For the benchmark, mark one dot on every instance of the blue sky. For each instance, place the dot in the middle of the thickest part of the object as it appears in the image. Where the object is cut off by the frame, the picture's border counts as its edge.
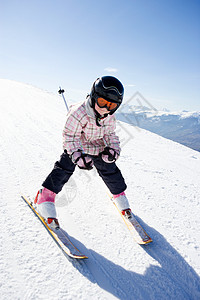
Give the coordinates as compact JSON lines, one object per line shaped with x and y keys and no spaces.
{"x":152,"y":46}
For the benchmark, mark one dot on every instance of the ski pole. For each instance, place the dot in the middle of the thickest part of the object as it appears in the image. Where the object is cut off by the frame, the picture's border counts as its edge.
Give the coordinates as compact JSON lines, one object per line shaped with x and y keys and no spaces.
{"x":61,"y":92}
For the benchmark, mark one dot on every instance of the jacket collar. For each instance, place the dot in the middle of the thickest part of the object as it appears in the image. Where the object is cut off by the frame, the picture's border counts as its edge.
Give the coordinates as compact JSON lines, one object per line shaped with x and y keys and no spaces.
{"x":89,"y":110}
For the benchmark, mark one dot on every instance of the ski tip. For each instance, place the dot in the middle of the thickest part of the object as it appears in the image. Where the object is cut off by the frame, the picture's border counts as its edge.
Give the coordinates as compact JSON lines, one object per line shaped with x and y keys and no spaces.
{"x":146,"y":242}
{"x":79,"y":256}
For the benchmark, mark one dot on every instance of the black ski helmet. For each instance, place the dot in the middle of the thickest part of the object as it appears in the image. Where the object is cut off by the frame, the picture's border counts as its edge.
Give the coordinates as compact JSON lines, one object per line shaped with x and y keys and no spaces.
{"x":109,"y":88}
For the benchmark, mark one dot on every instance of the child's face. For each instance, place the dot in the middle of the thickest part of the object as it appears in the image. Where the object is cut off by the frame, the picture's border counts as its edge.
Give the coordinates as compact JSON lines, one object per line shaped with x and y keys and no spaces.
{"x":101,"y":111}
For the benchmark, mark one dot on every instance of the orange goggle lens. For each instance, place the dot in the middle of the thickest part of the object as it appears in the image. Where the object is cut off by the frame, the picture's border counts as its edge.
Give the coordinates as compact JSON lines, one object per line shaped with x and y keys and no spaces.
{"x":104,"y":103}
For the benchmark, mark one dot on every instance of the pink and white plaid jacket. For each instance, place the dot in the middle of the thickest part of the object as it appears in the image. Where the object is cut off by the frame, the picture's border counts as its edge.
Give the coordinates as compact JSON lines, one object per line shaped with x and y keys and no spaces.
{"x":81,"y":131}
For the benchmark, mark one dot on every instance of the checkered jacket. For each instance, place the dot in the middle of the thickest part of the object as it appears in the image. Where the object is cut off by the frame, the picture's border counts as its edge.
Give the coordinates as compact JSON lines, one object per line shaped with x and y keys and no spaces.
{"x":81,"y":131}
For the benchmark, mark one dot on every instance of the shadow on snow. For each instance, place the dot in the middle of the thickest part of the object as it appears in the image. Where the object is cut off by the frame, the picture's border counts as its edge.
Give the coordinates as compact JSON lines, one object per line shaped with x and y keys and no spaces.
{"x":173,"y":279}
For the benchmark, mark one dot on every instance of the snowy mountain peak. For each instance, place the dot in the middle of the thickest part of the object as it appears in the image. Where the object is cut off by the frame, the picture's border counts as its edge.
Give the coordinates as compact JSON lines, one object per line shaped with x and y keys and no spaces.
{"x":182,"y":127}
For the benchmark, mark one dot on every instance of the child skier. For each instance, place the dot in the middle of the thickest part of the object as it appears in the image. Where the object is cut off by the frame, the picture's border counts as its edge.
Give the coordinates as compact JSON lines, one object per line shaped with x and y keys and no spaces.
{"x":89,"y":140}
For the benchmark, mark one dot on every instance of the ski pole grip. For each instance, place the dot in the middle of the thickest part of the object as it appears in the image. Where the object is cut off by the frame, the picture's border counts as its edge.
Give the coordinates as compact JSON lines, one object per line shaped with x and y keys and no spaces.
{"x":61,"y":91}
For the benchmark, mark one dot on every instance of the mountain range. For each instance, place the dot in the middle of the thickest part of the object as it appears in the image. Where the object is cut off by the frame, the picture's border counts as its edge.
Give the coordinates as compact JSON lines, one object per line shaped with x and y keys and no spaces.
{"x":182,"y":127}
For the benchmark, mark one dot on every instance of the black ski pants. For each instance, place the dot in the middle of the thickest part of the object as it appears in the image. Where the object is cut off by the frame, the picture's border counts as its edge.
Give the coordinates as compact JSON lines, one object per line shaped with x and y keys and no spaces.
{"x":64,"y":168}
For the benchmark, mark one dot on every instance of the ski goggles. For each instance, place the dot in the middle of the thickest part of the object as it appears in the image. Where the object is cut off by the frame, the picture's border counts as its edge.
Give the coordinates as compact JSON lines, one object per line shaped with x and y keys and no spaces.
{"x":101,"y":102}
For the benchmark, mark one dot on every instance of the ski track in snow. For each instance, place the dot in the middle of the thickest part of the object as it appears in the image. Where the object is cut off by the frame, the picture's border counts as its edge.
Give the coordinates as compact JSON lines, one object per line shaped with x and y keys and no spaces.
{"x":163,"y":188}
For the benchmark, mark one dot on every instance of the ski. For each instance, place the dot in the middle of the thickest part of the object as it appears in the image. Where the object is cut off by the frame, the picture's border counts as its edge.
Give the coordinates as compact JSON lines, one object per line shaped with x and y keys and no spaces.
{"x":58,"y":235}
{"x":138,"y":233}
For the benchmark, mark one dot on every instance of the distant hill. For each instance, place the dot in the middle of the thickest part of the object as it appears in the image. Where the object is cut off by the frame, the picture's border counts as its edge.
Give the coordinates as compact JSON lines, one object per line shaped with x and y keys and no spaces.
{"x":182,"y":127}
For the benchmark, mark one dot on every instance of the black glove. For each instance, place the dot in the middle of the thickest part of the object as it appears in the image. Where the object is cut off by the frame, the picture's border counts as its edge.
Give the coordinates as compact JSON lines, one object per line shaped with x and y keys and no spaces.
{"x":82,"y":160}
{"x":109,"y":155}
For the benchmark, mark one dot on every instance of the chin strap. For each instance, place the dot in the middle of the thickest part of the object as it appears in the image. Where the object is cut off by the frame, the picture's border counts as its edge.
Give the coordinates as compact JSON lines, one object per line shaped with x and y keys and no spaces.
{"x":99,"y":117}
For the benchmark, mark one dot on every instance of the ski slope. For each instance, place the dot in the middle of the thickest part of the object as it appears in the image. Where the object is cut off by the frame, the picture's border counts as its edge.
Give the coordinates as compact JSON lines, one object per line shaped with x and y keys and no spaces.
{"x":163,"y":189}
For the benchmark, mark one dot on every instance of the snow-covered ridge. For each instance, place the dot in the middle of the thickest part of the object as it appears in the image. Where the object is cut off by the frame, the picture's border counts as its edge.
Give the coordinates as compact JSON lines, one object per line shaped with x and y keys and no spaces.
{"x":150,"y":112}
{"x":163,"y":190}
{"x":182,"y":127}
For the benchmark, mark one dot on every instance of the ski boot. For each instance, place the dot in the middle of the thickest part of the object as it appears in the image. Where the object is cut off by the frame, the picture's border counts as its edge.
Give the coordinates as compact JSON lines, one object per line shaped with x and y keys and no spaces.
{"x":122,"y":204}
{"x":45,"y":203}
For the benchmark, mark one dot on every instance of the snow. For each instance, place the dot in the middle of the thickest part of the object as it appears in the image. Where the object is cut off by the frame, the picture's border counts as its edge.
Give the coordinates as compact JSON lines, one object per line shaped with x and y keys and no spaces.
{"x":151,"y":111}
{"x":182,"y":127}
{"x":163,"y":189}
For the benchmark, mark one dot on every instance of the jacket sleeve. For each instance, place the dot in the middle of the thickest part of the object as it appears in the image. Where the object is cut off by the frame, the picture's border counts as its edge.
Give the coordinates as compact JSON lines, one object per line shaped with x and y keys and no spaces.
{"x":110,"y":137}
{"x":72,"y":133}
